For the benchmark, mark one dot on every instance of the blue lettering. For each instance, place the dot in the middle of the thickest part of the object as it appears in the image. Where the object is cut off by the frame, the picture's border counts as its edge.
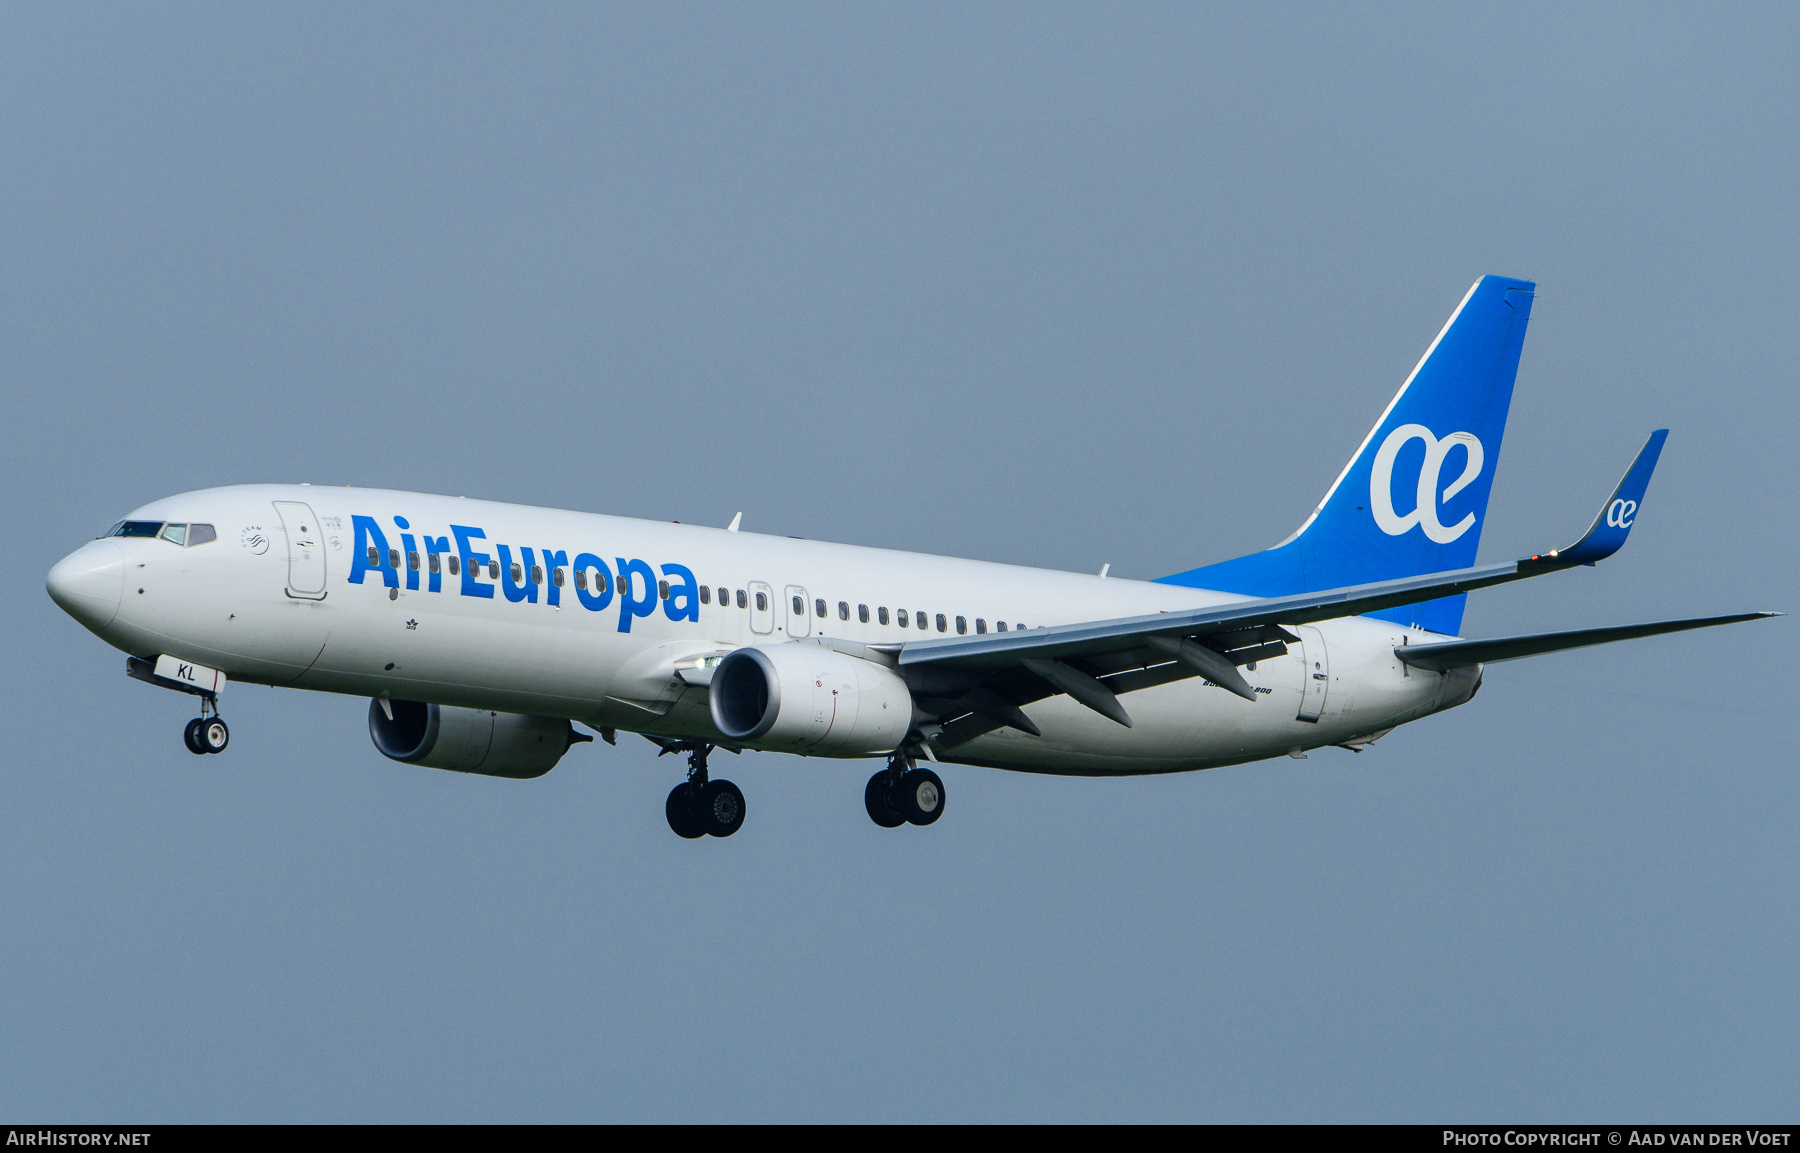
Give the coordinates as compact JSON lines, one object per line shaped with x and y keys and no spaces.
{"x":630,"y":606}
{"x":514,"y":591}
{"x":684,"y":596}
{"x":552,"y":562}
{"x":471,"y":560}
{"x":434,"y":546}
{"x":368,"y":536}
{"x":602,"y":594}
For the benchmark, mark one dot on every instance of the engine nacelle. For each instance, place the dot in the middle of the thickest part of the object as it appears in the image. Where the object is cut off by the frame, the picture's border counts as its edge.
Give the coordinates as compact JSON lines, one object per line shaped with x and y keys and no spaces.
{"x":805,"y":698}
{"x":470,"y":740}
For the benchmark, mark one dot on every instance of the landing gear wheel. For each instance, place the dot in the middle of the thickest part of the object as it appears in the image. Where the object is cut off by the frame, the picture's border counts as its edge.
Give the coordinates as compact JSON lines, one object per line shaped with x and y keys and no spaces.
{"x":921,"y":796}
{"x":721,"y":808}
{"x":212,"y":735}
{"x":192,"y":735}
{"x":876,"y":798}
{"x":683,"y":813}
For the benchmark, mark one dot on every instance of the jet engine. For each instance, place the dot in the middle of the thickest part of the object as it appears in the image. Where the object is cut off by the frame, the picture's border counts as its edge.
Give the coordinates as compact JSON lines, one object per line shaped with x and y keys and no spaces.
{"x":805,"y":698}
{"x":470,"y":740}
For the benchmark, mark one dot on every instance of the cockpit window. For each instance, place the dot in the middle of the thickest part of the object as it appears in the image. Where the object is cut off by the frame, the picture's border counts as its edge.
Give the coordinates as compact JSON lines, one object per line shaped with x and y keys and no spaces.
{"x":188,"y":535}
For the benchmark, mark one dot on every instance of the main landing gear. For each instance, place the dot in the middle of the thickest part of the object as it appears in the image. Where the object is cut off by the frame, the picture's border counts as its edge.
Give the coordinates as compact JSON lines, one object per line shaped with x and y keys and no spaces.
{"x":207,"y":734}
{"x":700,"y":807}
{"x":904,"y":794}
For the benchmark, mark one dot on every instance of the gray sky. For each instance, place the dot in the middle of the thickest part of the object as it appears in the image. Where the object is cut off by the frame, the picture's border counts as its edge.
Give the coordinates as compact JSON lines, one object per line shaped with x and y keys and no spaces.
{"x":1050,"y":286}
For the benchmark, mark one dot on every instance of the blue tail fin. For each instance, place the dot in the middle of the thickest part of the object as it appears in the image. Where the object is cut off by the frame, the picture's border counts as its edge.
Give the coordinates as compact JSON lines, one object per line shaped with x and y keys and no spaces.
{"x":1413,"y":498}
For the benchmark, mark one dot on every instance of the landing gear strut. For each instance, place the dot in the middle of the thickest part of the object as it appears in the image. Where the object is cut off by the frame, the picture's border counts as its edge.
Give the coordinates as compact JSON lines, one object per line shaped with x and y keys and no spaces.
{"x":903,"y":794}
{"x":699,"y":806}
{"x":207,"y":734}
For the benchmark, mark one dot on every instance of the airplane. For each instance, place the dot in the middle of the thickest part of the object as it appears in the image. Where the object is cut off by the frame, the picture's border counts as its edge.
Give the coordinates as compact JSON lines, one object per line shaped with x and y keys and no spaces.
{"x":482,"y":632}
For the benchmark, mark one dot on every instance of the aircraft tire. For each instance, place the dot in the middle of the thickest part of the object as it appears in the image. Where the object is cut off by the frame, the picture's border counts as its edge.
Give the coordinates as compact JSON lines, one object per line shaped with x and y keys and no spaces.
{"x":881,"y":808}
{"x":683,"y":813}
{"x":721,"y":808}
{"x":191,"y":736}
{"x":921,"y":796}
{"x":213,"y":736}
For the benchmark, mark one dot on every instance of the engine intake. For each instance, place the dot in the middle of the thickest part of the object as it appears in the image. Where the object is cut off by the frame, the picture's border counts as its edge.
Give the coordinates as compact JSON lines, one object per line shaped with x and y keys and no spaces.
{"x":470,"y":740}
{"x":804,"y":698}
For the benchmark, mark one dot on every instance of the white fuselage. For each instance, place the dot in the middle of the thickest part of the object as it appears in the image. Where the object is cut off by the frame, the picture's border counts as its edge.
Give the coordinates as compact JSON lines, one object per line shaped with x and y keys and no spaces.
{"x":297,"y":605}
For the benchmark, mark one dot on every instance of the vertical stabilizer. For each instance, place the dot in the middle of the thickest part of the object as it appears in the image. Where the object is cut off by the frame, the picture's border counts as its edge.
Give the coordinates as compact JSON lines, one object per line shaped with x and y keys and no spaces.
{"x":1413,"y":498}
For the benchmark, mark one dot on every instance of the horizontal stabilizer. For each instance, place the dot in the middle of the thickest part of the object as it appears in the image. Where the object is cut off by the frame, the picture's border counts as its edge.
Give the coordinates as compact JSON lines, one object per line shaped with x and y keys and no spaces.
{"x":1455,"y":654}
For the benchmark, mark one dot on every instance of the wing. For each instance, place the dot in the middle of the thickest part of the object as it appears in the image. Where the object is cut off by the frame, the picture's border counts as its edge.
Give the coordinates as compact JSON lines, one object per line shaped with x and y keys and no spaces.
{"x":976,"y":684}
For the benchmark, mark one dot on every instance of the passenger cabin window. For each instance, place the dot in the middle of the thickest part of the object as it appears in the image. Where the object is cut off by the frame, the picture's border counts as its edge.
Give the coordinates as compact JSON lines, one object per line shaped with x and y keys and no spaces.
{"x":394,"y":558}
{"x":705,"y":594}
{"x":1000,"y":626}
{"x":762,"y":602}
{"x":518,"y":573}
{"x":799,"y":607}
{"x":494,"y":570}
{"x":942,"y":627}
{"x":455,"y":566}
{"x":175,"y":533}
{"x":201,"y":534}
{"x":556,"y":577}
{"x":843,"y":610}
{"x":862,"y":613}
{"x":581,"y":579}
{"x":374,"y":556}
{"x":819,"y":608}
{"x":900,"y":617}
{"x":138,"y":528}
{"x":412,"y":561}
{"x":881,"y":614}
{"x":980,"y":625}
{"x":740,"y":598}
{"x":962,"y":624}
{"x":662,"y":590}
{"x":433,"y":564}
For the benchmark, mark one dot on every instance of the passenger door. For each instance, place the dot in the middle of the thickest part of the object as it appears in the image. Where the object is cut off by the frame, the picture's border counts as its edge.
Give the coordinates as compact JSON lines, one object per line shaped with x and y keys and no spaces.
{"x":306,"y":550}
{"x":799,"y":616}
{"x":762,"y":607}
{"x":1315,"y":673}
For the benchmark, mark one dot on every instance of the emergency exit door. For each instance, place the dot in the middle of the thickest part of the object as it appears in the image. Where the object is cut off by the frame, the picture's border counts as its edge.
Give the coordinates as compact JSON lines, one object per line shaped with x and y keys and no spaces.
{"x":799,"y":617}
{"x":762,"y":608}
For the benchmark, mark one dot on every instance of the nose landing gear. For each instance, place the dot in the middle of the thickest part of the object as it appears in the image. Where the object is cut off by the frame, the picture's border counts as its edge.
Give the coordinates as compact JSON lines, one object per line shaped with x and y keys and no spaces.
{"x":700,"y":807}
{"x":904,"y":794}
{"x":206,"y":733}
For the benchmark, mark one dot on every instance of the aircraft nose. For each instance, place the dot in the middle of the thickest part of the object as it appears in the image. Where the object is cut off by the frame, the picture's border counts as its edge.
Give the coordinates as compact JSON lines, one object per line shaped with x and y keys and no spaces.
{"x":88,"y":583}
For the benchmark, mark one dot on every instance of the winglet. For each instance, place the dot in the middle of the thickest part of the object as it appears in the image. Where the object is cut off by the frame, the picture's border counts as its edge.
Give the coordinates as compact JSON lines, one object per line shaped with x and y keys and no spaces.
{"x":1609,"y":530}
